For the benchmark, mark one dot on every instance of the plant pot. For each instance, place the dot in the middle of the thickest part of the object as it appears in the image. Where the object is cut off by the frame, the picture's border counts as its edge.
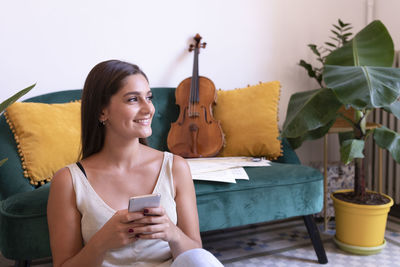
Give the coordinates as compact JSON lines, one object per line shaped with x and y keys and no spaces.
{"x":360,"y":229}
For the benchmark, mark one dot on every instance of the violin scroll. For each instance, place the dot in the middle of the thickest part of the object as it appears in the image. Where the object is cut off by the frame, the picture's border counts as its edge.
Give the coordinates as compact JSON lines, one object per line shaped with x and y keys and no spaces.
{"x":197,"y":38}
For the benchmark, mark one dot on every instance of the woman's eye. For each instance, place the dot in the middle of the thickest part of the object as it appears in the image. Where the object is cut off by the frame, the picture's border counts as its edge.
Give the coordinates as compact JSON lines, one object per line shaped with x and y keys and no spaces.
{"x":133,"y":99}
{"x":150,"y":98}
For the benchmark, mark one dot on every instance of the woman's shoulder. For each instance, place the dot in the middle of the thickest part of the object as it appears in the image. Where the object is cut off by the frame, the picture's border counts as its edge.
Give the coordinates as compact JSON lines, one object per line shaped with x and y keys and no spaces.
{"x":62,"y":180}
{"x":62,"y":174}
{"x":179,"y":161}
{"x":180,"y":168}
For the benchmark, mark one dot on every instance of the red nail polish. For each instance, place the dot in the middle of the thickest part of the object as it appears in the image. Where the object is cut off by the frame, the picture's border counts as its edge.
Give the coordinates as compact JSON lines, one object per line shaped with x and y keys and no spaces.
{"x":130,"y":230}
{"x":145,"y":211}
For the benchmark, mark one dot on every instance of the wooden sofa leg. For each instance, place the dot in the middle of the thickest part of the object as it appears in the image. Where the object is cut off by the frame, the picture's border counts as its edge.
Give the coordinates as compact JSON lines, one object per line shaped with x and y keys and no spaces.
{"x":22,"y":263}
{"x":315,"y":239}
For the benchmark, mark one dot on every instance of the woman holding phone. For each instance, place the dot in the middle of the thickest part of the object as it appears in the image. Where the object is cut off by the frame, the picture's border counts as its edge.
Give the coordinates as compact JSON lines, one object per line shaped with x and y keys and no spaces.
{"x":89,"y":223}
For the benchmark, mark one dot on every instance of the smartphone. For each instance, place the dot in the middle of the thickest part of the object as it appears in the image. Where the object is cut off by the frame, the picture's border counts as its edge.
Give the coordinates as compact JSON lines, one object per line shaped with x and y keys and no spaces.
{"x":146,"y":201}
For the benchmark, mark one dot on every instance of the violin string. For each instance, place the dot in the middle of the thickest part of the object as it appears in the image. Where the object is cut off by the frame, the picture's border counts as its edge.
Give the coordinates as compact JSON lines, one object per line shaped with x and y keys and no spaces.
{"x":191,"y":101}
{"x":196,"y":80}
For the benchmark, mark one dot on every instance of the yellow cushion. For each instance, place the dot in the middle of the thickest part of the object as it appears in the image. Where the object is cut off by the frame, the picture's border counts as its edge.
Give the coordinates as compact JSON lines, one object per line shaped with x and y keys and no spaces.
{"x":47,"y":135}
{"x":249,"y":120}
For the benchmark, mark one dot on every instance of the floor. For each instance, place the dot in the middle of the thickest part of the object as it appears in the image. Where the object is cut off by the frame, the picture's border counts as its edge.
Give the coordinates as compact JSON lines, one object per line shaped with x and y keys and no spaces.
{"x":288,"y":244}
{"x":283,"y":244}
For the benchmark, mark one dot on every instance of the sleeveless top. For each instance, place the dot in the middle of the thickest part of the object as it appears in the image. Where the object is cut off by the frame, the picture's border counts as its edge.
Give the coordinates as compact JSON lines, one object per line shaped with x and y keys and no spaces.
{"x":95,"y":213}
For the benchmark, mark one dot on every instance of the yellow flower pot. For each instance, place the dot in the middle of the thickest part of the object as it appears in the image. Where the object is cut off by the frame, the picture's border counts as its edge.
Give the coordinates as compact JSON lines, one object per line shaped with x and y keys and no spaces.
{"x":360,"y":228}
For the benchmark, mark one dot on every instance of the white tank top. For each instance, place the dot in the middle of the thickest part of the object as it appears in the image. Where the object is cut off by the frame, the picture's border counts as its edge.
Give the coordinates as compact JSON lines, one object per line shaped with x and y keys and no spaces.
{"x":95,"y":213}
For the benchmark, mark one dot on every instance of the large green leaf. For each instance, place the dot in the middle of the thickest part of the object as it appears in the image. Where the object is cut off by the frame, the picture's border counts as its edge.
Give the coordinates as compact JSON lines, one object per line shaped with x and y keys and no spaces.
{"x":308,"y":111}
{"x":394,"y":108}
{"x":14,"y":98}
{"x":351,"y":149}
{"x":363,"y":87}
{"x":311,"y":135}
{"x":372,"y":46}
{"x":388,"y":139}
{"x":343,"y":136}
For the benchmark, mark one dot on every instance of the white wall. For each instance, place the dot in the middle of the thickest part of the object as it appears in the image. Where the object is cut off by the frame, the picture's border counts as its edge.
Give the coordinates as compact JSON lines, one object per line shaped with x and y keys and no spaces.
{"x":55,"y":43}
{"x":388,"y":11}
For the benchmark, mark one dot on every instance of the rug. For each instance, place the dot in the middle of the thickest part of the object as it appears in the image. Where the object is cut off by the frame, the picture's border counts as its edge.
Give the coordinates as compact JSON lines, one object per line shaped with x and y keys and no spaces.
{"x":288,"y":244}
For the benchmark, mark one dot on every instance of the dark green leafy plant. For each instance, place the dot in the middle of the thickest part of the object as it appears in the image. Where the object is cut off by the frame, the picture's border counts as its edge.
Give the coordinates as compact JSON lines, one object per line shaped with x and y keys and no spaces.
{"x":9,"y":101}
{"x":341,"y":34}
{"x":357,"y":75}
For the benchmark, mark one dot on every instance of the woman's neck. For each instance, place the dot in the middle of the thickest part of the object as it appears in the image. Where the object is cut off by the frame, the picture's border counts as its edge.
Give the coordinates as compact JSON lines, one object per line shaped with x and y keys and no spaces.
{"x":122,"y":154}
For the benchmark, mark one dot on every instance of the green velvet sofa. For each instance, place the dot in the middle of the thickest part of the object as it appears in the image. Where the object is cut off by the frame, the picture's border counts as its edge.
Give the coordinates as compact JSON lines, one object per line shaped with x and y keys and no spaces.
{"x":285,"y":189}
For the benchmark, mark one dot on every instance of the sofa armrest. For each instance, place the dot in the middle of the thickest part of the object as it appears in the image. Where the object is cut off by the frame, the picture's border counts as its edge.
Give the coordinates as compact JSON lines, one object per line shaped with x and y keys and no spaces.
{"x":24,"y":231}
{"x":26,"y":204}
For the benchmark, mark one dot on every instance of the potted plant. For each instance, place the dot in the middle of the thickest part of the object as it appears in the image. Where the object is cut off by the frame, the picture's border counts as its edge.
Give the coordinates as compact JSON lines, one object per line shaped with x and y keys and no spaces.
{"x":358,"y":75}
{"x":9,"y":101}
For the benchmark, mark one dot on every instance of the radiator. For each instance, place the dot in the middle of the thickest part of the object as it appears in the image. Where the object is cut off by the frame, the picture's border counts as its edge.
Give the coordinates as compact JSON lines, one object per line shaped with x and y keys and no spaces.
{"x":390,"y":183}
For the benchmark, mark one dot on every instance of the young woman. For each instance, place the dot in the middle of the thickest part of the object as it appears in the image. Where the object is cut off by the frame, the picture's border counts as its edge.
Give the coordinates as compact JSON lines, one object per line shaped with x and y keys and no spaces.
{"x":89,"y":223}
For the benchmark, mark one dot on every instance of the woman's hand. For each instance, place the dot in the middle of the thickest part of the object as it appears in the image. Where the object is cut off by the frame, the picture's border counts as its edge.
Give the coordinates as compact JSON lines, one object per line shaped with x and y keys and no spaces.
{"x":119,"y":230}
{"x":156,"y":224}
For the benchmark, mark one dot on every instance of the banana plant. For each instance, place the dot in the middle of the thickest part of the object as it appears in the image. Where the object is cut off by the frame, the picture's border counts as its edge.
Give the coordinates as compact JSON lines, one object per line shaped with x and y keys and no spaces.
{"x":9,"y":101}
{"x":358,"y":75}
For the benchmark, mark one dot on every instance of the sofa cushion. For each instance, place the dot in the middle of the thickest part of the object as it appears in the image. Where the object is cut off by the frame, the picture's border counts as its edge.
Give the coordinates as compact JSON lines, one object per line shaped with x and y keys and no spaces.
{"x":249,"y":120}
{"x":48,"y":137}
{"x":276,"y":192}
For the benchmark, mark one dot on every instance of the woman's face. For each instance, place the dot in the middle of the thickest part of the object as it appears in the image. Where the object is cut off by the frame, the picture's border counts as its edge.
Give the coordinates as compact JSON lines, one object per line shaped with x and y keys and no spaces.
{"x":130,"y":110}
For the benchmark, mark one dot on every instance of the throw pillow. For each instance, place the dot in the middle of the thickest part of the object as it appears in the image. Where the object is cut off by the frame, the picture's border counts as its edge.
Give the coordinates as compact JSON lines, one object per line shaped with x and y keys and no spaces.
{"x":47,"y":137}
{"x":249,"y":120}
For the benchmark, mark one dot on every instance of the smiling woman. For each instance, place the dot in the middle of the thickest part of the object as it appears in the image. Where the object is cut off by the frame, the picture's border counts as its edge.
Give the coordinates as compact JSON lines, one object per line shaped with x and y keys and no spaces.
{"x":97,"y":96}
{"x":89,"y":223}
{"x":130,"y":110}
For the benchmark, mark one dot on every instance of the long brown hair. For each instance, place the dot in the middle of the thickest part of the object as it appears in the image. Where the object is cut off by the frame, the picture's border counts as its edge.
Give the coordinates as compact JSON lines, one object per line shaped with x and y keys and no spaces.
{"x":102,"y":82}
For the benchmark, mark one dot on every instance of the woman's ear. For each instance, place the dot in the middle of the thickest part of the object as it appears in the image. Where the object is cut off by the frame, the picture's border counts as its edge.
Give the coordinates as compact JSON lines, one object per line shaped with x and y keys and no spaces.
{"x":103,"y":116}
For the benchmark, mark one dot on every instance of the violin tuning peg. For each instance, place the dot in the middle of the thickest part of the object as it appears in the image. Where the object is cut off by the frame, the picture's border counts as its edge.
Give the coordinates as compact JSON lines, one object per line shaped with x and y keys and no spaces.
{"x":191,"y":47}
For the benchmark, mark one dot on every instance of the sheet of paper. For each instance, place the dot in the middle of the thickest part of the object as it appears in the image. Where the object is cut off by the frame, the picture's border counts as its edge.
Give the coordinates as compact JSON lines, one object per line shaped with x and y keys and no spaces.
{"x":223,"y":169}
{"x":239,"y":173}
{"x":225,"y":176}
{"x":200,"y":165}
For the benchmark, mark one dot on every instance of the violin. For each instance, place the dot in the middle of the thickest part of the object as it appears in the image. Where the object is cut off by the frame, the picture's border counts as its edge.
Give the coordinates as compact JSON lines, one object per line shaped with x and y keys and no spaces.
{"x":195,"y":133}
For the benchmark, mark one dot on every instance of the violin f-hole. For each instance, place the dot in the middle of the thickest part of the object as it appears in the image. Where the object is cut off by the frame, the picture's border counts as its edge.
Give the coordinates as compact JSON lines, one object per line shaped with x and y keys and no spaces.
{"x":205,"y":115}
{"x":183,"y":117}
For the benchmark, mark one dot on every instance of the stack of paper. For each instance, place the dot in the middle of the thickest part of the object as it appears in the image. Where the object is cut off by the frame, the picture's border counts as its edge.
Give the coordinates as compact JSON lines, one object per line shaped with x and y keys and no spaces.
{"x":223,"y":169}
